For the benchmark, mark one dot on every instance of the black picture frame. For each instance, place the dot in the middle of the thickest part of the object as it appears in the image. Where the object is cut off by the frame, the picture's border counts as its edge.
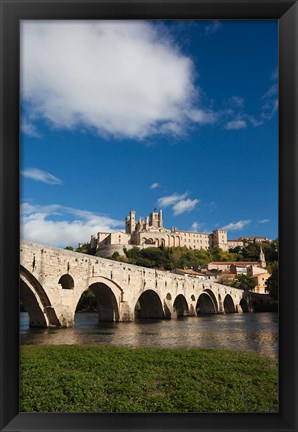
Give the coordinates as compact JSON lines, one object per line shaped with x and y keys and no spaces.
{"x":12,"y":11}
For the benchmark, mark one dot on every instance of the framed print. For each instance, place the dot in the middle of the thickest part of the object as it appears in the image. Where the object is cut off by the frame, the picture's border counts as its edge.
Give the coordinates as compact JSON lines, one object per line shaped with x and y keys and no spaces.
{"x":185,"y":317}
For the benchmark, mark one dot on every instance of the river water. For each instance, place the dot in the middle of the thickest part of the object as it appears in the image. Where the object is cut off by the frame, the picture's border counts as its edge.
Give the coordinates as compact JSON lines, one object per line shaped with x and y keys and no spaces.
{"x":251,"y":331}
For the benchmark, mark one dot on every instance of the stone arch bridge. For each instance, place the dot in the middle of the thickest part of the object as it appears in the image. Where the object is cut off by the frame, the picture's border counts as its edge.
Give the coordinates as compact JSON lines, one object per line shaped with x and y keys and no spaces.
{"x":52,"y":281}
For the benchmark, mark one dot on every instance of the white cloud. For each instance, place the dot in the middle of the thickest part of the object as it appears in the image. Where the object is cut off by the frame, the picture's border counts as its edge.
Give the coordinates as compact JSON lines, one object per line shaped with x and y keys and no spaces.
{"x":125,"y":79}
{"x":213,"y":27}
{"x":235,"y":117}
{"x":184,"y":206}
{"x":234,"y":226}
{"x":254,"y":122}
{"x":202,"y":117}
{"x":274,"y":75}
{"x":155,"y":186}
{"x":236,"y":101}
{"x":171,"y":199}
{"x":39,"y":175}
{"x":270,"y":100}
{"x":236,"y":124}
{"x":272,"y":91}
{"x":211,"y":206}
{"x":269,"y":109}
{"x":264,"y":221}
{"x":60,"y":226}
{"x":178,"y":203}
{"x":196,"y":225}
{"x":30,"y":129}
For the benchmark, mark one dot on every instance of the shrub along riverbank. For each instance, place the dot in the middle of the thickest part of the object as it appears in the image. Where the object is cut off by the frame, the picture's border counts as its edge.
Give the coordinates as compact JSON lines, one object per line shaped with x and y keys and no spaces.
{"x":71,"y":378}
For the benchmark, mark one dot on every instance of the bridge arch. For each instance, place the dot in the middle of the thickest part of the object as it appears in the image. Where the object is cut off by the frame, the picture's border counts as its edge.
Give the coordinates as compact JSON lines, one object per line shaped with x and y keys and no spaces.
{"x":229,"y":306}
{"x":66,"y":281}
{"x":180,"y":306}
{"x":33,"y":296}
{"x":149,"y":305}
{"x":244,"y":305}
{"x":213,"y":297}
{"x":206,"y":303}
{"x":108,"y":296}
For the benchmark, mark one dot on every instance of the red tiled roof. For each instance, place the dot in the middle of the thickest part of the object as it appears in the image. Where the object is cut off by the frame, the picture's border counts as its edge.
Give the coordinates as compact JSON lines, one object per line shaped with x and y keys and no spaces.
{"x":189,"y":271}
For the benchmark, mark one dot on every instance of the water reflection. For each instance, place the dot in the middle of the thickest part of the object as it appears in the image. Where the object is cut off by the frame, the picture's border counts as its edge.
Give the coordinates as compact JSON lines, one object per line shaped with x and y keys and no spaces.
{"x":253,"y":331}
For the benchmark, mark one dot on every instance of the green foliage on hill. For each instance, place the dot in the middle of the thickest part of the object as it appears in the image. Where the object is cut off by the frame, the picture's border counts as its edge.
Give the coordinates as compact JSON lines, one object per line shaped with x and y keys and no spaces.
{"x":272,"y":283}
{"x":168,"y":258}
{"x":164,"y":258}
{"x":251,"y":252}
{"x":84,"y":248}
{"x":244,"y":282}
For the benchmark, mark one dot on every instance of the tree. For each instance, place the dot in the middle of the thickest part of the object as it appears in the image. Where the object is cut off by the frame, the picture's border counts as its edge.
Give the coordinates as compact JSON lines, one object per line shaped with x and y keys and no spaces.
{"x":272,"y":283}
{"x":220,"y":255}
{"x":225,"y":280}
{"x":132,"y":254}
{"x":115,"y":256}
{"x":85,"y":249}
{"x":271,"y":252}
{"x":69,"y":248}
{"x":87,"y":302}
{"x":154,"y":257}
{"x":244,"y":282}
{"x":251,"y":252}
{"x":237,"y":251}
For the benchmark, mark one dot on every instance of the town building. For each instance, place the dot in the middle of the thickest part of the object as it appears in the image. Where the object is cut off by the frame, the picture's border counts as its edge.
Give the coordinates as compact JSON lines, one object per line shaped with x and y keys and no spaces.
{"x":260,"y":280}
{"x":250,"y":240}
{"x":253,"y":269}
{"x":236,"y":267}
{"x":203,"y":275}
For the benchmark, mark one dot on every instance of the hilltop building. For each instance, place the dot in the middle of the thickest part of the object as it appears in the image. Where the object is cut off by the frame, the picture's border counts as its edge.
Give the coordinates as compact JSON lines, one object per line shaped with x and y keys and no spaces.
{"x":245,"y":241}
{"x":150,"y":232}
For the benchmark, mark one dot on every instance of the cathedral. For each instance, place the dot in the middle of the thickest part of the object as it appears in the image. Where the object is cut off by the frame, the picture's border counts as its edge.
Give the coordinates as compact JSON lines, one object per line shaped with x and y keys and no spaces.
{"x":150,"y":232}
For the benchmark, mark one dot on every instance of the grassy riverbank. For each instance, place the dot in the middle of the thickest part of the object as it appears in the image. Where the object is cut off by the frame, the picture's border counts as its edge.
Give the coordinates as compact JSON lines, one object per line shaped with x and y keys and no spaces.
{"x":71,"y":378}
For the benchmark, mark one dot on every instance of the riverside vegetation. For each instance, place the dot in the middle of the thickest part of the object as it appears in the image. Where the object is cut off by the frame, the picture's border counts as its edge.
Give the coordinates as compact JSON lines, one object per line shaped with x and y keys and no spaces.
{"x":72,"y":378}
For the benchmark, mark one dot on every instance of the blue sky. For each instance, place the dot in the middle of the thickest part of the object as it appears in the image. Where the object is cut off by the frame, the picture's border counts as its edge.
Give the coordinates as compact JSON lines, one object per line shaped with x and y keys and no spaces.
{"x":178,"y":115}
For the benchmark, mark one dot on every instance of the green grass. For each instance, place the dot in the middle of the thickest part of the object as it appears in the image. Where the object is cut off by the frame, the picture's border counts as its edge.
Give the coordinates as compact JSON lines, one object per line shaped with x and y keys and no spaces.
{"x":71,"y":378}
